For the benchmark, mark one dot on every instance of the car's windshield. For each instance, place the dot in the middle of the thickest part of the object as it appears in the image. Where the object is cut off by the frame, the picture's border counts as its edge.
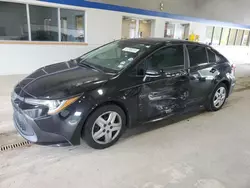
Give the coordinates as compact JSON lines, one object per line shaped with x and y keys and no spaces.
{"x":115,"y":56}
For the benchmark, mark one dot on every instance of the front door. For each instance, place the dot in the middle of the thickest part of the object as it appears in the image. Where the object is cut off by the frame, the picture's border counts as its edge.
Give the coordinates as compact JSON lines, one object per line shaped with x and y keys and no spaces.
{"x":165,"y":85}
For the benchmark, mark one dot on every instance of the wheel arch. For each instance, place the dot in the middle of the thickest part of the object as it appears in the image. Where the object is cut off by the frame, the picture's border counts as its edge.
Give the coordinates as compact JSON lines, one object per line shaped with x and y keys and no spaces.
{"x":227,"y":83}
{"x":224,"y":81}
{"x":111,"y":102}
{"x":76,"y":137}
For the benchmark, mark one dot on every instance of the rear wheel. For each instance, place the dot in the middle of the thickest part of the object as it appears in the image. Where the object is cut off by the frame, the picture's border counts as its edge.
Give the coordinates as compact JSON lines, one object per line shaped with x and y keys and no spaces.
{"x":218,"y":98}
{"x":104,"y":127}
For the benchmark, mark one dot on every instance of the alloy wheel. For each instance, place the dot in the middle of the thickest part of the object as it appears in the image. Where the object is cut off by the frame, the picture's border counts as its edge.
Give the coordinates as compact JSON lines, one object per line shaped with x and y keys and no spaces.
{"x":107,"y":127}
{"x":219,"y":97}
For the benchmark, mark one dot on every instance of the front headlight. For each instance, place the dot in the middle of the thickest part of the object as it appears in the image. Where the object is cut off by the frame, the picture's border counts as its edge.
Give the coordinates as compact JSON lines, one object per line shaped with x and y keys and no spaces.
{"x":54,"y":106}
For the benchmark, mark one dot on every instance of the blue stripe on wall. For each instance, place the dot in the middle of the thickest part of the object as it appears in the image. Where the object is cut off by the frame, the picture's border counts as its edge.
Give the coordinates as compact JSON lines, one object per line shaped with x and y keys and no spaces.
{"x":96,"y":5}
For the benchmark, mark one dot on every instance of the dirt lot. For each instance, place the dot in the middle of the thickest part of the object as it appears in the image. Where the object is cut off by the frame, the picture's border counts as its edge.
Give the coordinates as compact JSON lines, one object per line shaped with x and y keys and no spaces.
{"x":204,"y":150}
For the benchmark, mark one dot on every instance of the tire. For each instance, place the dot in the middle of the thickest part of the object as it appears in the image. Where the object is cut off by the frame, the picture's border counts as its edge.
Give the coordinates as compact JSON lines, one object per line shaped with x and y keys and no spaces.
{"x":104,"y":126}
{"x":211,"y":104}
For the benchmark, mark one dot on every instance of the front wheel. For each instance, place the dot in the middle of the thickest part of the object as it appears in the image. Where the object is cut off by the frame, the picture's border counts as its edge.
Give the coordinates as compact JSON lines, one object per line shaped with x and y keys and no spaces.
{"x":218,"y":98}
{"x":104,"y":126}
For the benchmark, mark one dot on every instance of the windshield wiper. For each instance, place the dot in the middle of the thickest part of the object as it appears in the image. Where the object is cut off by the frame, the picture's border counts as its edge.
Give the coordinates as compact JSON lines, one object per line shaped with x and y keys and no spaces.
{"x":89,"y":66}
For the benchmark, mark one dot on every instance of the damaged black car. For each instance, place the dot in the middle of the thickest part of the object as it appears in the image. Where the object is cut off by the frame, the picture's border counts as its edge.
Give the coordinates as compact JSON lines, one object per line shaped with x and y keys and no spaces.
{"x":117,"y":86}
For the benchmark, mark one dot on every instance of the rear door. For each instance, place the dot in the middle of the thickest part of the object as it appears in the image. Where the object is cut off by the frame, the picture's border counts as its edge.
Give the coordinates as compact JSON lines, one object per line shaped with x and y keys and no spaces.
{"x":202,"y":72}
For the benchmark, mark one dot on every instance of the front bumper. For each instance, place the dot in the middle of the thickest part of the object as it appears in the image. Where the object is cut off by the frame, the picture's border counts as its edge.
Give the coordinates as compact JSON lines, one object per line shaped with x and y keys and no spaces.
{"x":30,"y":131}
{"x":63,"y":128}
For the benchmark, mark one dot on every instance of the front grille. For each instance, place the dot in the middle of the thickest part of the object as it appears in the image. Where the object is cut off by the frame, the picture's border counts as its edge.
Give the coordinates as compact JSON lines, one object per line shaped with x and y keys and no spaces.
{"x":22,"y":124}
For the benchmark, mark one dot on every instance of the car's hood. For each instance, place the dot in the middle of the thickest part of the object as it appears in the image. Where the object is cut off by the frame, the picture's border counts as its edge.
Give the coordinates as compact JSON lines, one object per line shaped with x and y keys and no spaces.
{"x":61,"y":80}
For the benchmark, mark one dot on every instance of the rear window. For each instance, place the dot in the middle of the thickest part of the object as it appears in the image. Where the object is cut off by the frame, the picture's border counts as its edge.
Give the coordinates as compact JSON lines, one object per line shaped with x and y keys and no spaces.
{"x":197,"y":55}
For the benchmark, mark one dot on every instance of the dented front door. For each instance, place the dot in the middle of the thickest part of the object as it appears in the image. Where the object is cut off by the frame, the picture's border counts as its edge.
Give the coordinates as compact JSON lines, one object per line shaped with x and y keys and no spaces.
{"x":164,"y":95}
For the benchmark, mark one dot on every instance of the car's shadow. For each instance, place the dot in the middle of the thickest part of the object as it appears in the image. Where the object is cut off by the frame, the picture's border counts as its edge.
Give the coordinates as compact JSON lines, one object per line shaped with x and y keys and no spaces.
{"x":84,"y":149}
{"x":140,"y":129}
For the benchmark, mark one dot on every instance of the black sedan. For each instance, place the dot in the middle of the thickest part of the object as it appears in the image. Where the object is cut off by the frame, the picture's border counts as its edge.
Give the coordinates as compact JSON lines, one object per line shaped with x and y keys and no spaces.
{"x":116,"y":86}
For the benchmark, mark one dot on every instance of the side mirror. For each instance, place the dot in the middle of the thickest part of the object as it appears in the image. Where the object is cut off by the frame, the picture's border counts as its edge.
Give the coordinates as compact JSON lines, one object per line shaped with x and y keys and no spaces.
{"x":153,"y":73}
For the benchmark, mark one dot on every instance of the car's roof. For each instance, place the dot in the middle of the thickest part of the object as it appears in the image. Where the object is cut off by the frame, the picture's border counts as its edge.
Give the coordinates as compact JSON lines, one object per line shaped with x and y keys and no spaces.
{"x":162,"y":40}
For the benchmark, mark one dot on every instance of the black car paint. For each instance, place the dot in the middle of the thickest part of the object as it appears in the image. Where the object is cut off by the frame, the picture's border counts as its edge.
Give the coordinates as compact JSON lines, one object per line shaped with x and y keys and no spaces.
{"x":62,"y":80}
{"x":143,"y":98}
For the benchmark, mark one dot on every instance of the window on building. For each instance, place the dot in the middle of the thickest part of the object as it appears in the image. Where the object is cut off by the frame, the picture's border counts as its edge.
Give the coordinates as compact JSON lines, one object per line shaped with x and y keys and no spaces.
{"x":232,"y":37}
{"x":211,"y":56}
{"x":245,"y":40}
{"x":239,"y":37}
{"x":197,"y":55}
{"x":224,"y":36}
{"x":169,"y":30}
{"x":217,"y":35}
{"x":13,"y":21}
{"x":72,"y":25}
{"x":169,"y":57}
{"x":209,"y":34}
{"x":145,"y":28}
{"x":44,"y":23}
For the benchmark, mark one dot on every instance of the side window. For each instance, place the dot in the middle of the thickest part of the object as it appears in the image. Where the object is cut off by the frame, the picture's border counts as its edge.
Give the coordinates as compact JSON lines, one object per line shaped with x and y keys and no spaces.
{"x":197,"y":55}
{"x":211,"y":56}
{"x":139,"y":70}
{"x":167,"y":58}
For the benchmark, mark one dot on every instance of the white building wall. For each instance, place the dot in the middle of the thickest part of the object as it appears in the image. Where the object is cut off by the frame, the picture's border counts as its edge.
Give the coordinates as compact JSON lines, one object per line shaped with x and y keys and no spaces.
{"x":235,"y":54}
{"x":102,"y":26}
{"x":25,"y":58}
{"x":158,"y":27}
